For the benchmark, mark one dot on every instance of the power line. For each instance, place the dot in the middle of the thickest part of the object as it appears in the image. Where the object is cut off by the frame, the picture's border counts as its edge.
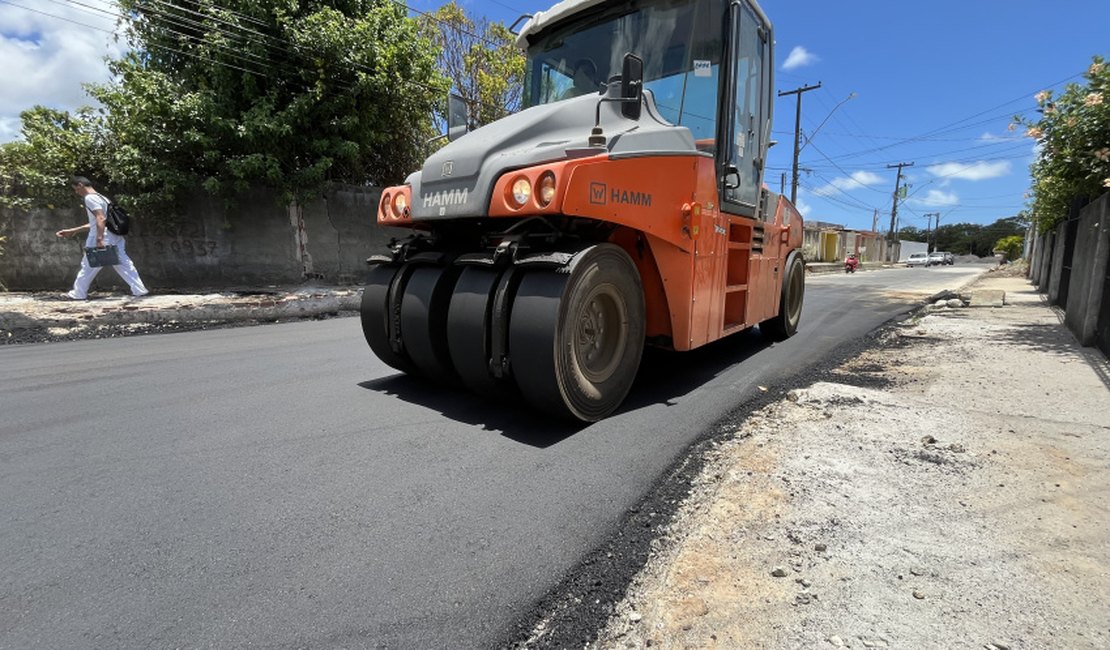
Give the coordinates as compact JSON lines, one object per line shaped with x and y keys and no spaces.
{"x":68,"y":20}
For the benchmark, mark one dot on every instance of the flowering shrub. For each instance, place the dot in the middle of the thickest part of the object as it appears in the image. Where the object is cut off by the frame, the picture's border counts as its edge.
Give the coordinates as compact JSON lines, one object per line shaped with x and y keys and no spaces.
{"x":1073,"y":134}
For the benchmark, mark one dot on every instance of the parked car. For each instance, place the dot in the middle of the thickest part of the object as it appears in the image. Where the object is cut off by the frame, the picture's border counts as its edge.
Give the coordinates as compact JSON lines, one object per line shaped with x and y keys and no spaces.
{"x":918,"y":259}
{"x":937,"y":258}
{"x":949,"y":258}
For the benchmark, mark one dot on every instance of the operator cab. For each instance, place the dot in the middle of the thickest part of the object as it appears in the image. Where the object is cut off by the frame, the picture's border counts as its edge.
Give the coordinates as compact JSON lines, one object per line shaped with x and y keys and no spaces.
{"x":707,"y":66}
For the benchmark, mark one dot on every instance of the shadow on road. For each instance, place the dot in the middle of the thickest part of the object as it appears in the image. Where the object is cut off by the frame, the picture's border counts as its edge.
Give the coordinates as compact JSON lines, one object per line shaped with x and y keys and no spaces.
{"x":666,"y":376}
{"x":663,"y":378}
{"x":510,"y":417}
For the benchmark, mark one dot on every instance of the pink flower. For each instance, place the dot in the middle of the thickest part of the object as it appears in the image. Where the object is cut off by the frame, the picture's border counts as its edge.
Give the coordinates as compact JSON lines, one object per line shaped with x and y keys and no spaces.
{"x":1093,"y":99}
{"x":1106,"y":183}
{"x":1095,"y":69}
{"x":1011,"y":127}
{"x":1103,"y":154}
{"x":1042,"y":96}
{"x":1035,"y":132}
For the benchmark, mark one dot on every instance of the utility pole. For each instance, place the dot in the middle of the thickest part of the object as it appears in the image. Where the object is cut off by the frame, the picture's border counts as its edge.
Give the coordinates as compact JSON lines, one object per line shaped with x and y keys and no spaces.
{"x":897,"y":189}
{"x":797,"y":134}
{"x":875,"y":221}
{"x":930,"y":234}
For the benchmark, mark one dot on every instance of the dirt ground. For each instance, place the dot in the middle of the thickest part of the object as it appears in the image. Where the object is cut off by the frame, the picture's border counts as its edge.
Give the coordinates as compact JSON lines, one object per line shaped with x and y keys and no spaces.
{"x":952,"y":492}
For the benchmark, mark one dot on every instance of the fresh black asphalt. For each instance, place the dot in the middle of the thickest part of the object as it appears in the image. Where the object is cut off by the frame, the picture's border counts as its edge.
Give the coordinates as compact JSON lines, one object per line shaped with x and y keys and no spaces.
{"x":277,"y":486}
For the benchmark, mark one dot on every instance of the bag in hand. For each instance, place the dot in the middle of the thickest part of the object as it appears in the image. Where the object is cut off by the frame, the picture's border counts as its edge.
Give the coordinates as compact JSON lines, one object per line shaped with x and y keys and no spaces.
{"x":107,"y":256}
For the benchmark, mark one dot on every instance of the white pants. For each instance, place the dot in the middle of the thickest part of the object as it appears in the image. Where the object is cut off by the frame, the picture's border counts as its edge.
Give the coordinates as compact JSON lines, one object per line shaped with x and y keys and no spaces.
{"x":126,"y":270}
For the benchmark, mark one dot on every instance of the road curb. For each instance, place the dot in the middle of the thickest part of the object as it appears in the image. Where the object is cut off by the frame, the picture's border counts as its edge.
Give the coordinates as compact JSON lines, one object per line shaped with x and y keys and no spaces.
{"x":282,"y":307}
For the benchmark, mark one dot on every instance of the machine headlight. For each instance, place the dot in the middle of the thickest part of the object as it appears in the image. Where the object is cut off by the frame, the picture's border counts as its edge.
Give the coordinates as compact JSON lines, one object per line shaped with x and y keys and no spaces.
{"x":400,"y":204}
{"x":545,"y":190}
{"x":384,"y":207}
{"x":522,"y":191}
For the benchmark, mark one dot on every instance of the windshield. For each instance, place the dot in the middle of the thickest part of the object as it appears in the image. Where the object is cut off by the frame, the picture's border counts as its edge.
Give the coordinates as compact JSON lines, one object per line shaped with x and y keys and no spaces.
{"x":681,"y":43}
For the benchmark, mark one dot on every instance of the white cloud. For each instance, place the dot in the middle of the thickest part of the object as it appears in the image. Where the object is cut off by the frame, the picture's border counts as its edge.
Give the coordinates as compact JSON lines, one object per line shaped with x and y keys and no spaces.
{"x":46,"y":58}
{"x":937,"y":198}
{"x":799,"y":56}
{"x":978,"y":171}
{"x":803,"y":207}
{"x":843,"y":184}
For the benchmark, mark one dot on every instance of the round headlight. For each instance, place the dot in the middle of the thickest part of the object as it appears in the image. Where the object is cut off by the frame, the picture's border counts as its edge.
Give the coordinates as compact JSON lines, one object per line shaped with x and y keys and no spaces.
{"x":522,"y":191}
{"x":545,"y":192}
{"x":400,"y":204}
{"x":384,"y":207}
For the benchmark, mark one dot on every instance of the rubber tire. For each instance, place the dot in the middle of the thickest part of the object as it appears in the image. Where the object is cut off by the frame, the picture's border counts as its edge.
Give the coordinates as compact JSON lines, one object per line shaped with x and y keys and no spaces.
{"x":374,"y":312}
{"x":424,"y":321}
{"x":785,"y":323}
{"x":551,"y":325}
{"x":468,"y":331}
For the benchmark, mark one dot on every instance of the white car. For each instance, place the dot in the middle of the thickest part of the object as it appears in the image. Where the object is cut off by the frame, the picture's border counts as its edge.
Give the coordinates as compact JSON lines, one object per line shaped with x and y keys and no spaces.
{"x":918,"y":259}
{"x":938,"y":258}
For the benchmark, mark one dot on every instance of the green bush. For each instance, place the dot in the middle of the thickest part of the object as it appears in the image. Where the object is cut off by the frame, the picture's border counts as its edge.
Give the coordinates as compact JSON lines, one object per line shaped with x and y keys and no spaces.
{"x":1011,"y":247}
{"x":1073,"y":134}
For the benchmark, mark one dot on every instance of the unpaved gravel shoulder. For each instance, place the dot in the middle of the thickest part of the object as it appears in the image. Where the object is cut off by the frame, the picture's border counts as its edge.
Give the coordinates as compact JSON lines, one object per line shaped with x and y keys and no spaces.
{"x":952,"y":492}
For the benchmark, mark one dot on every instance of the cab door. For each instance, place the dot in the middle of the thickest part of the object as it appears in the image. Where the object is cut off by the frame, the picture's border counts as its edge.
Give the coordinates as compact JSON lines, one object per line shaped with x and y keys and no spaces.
{"x":746,"y":109}
{"x":753,"y":264}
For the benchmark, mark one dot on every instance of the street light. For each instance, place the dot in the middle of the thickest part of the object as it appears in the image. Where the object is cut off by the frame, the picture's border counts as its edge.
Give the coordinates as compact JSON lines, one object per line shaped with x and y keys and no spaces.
{"x":810,"y":137}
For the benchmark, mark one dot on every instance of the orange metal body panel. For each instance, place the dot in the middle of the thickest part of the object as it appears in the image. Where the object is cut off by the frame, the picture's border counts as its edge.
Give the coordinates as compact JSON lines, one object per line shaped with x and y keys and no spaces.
{"x":702,"y":280}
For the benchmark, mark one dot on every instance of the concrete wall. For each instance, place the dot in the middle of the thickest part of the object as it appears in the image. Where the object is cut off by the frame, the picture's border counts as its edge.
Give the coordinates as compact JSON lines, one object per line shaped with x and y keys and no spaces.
{"x":1089,"y":271}
{"x":1056,"y":269}
{"x":262,"y":243}
{"x":908,"y":248}
{"x":1084,"y":291}
{"x":1044,"y":264}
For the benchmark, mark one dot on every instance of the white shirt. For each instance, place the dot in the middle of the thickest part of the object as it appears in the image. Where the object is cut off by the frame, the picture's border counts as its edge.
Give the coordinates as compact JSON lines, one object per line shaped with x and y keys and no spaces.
{"x":97,"y":202}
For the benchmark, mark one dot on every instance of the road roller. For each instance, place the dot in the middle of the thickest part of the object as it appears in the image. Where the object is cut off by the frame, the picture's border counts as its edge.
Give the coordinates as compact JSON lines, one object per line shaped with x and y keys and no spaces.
{"x":623,"y":206}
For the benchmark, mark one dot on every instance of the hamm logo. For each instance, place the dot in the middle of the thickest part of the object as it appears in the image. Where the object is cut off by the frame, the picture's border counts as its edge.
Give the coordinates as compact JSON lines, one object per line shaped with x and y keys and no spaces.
{"x":445,"y":198}
{"x":601,"y":194}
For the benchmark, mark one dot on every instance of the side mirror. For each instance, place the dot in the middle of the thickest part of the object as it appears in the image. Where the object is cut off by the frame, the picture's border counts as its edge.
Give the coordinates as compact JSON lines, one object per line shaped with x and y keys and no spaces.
{"x":457,"y":117}
{"x":632,"y":86}
{"x":732,"y":177}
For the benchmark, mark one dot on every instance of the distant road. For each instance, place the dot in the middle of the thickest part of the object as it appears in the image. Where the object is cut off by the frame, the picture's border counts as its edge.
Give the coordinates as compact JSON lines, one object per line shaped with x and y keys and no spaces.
{"x":277,"y":486}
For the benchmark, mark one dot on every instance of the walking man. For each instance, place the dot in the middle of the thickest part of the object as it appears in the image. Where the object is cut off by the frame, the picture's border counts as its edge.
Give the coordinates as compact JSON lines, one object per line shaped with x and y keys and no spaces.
{"x":96,"y":206}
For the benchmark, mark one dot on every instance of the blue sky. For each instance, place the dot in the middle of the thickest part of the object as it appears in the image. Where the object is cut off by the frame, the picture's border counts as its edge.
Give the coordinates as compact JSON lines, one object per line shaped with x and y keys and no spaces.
{"x":935,"y":84}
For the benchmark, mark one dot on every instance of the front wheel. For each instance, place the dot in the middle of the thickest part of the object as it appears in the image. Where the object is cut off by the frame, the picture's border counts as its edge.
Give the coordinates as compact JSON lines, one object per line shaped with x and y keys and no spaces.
{"x":576,"y":338}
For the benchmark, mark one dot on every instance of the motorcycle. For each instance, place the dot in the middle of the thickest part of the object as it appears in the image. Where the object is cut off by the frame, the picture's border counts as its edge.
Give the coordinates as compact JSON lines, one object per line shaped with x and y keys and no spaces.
{"x":850,"y":264}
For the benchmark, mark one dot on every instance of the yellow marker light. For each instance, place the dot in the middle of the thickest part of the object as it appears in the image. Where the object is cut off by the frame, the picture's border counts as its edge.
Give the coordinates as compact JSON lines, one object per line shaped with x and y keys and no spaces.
{"x":400,"y":204}
{"x":545,"y":191}
{"x":522,"y":191}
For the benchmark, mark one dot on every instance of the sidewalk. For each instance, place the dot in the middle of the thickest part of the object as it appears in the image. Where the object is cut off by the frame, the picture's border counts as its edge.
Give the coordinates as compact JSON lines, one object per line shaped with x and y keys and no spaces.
{"x":43,"y":316}
{"x":948,"y":487}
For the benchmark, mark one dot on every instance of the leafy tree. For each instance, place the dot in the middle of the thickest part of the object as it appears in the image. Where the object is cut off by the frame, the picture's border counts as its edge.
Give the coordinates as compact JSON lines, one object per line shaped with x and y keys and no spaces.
{"x":227,"y":94}
{"x":481,"y":59}
{"x":911,"y":233}
{"x":968,"y":238}
{"x":56,"y":145}
{"x":1073,"y":132}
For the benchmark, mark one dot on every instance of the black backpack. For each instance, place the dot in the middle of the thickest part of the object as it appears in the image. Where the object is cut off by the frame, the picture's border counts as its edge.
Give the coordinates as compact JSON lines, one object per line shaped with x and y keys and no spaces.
{"x":117,"y":220}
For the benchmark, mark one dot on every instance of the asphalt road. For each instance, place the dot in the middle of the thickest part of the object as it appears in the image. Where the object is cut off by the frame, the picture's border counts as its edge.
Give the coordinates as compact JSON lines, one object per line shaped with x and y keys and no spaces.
{"x":277,"y":486}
